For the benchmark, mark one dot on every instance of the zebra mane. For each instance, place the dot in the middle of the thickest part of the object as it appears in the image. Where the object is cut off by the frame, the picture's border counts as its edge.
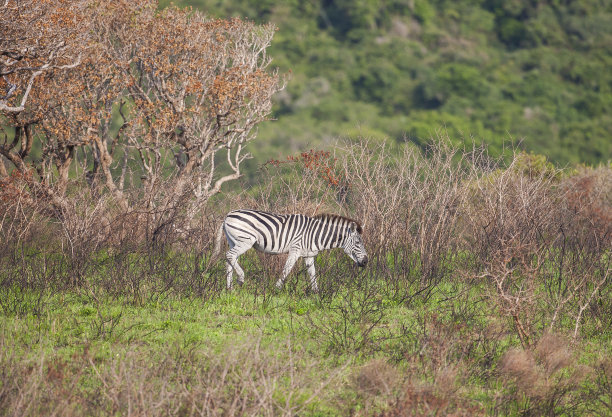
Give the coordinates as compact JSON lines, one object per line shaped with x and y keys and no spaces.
{"x":336,"y":216}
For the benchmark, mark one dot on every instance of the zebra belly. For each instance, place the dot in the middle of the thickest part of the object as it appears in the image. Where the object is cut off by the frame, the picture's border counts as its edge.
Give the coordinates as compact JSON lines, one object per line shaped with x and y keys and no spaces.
{"x":260,"y":247}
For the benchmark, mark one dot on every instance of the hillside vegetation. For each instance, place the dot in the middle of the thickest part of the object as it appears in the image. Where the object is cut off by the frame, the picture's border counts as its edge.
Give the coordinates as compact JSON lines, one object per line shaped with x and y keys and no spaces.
{"x":487,"y":70}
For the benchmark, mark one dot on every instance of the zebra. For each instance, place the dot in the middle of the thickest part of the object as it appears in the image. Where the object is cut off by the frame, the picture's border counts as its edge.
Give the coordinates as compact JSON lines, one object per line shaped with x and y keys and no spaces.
{"x":296,"y":234}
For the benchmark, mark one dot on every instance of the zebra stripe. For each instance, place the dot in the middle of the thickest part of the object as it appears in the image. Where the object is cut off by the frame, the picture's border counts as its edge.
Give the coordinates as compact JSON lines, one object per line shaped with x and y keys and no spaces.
{"x":296,"y":234}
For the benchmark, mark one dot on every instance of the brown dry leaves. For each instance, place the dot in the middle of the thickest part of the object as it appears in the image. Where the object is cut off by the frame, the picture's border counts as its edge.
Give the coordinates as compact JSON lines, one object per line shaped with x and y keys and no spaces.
{"x":131,"y":86}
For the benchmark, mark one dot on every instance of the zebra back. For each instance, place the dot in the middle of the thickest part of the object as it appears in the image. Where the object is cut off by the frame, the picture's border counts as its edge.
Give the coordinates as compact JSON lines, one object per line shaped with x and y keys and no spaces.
{"x":277,"y":233}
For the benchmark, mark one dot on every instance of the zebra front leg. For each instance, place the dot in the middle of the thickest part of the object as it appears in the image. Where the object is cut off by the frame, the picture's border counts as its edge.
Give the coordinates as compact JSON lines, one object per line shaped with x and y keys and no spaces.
{"x":291,"y":259}
{"x":310,"y":261}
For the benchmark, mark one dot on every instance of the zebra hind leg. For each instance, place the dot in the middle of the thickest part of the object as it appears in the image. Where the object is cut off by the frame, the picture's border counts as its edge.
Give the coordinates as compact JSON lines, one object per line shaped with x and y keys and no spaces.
{"x":229,"y":274}
{"x":310,"y":261}
{"x":291,"y":259}
{"x":232,"y":262}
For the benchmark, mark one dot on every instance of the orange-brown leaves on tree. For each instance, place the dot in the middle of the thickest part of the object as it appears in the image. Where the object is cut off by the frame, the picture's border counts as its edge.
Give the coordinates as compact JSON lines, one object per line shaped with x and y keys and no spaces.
{"x":39,"y":38}
{"x":165,"y":89}
{"x":320,"y":162}
{"x":12,"y":187}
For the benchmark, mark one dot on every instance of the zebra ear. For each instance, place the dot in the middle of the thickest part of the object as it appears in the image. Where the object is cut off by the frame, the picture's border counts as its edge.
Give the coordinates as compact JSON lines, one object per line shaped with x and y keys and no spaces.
{"x":351,"y":227}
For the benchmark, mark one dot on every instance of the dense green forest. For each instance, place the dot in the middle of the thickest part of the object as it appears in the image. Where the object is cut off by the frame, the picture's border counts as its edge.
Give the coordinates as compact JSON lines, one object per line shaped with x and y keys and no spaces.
{"x":492,"y":71}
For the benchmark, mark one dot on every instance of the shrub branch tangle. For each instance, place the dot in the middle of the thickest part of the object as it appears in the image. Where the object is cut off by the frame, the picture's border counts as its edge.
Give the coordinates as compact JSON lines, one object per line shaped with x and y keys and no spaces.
{"x":408,"y":202}
{"x":542,"y":241}
{"x":534,"y":238}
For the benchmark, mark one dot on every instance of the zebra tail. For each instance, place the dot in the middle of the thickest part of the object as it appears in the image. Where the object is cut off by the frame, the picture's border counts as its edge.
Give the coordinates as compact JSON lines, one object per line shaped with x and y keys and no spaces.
{"x":217,"y":248}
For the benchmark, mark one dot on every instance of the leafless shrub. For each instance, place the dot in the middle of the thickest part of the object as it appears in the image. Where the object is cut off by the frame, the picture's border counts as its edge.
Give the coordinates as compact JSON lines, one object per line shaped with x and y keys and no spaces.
{"x":509,"y":219}
{"x":353,"y":318}
{"x":541,"y":240}
{"x":77,"y":256}
{"x":407,"y":199}
{"x":19,"y":215}
{"x":84,"y":229}
{"x":581,"y":252}
{"x":439,"y":344}
{"x":598,"y":396}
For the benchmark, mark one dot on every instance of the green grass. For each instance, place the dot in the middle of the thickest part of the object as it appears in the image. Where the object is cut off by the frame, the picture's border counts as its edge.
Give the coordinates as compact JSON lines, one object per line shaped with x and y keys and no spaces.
{"x":354,"y":350}
{"x":109,"y":328}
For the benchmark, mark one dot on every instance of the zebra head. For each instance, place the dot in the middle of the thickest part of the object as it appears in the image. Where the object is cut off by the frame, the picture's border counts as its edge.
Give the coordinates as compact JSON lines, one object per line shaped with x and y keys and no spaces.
{"x":353,"y":245}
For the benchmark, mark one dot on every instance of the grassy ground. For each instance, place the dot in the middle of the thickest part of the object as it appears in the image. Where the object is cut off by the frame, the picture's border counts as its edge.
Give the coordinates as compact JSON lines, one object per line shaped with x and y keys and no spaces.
{"x":356,"y":351}
{"x":104,"y":333}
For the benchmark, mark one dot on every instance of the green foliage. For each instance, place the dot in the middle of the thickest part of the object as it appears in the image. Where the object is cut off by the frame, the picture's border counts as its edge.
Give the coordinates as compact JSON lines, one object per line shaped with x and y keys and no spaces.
{"x":532,"y":165}
{"x":489,"y":69}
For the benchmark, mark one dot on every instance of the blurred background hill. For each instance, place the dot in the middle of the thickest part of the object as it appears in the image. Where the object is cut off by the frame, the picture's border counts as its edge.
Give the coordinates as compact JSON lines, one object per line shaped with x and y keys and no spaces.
{"x":490,"y":71}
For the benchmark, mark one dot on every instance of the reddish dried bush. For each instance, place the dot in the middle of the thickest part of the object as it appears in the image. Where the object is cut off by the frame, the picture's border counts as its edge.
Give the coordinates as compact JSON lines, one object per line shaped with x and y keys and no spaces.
{"x":320,"y":162}
{"x":429,"y":400}
{"x":376,"y":377}
{"x":588,"y":197}
{"x":580,"y":276}
{"x":545,"y":381}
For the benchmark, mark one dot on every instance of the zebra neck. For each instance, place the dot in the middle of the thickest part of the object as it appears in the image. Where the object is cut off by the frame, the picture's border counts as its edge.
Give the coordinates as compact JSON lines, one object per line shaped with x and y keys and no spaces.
{"x":336,"y":239}
{"x":341,"y":240}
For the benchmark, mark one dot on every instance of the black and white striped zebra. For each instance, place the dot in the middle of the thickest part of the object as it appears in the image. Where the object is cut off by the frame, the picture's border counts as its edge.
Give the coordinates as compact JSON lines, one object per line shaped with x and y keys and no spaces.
{"x":296,"y":234}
